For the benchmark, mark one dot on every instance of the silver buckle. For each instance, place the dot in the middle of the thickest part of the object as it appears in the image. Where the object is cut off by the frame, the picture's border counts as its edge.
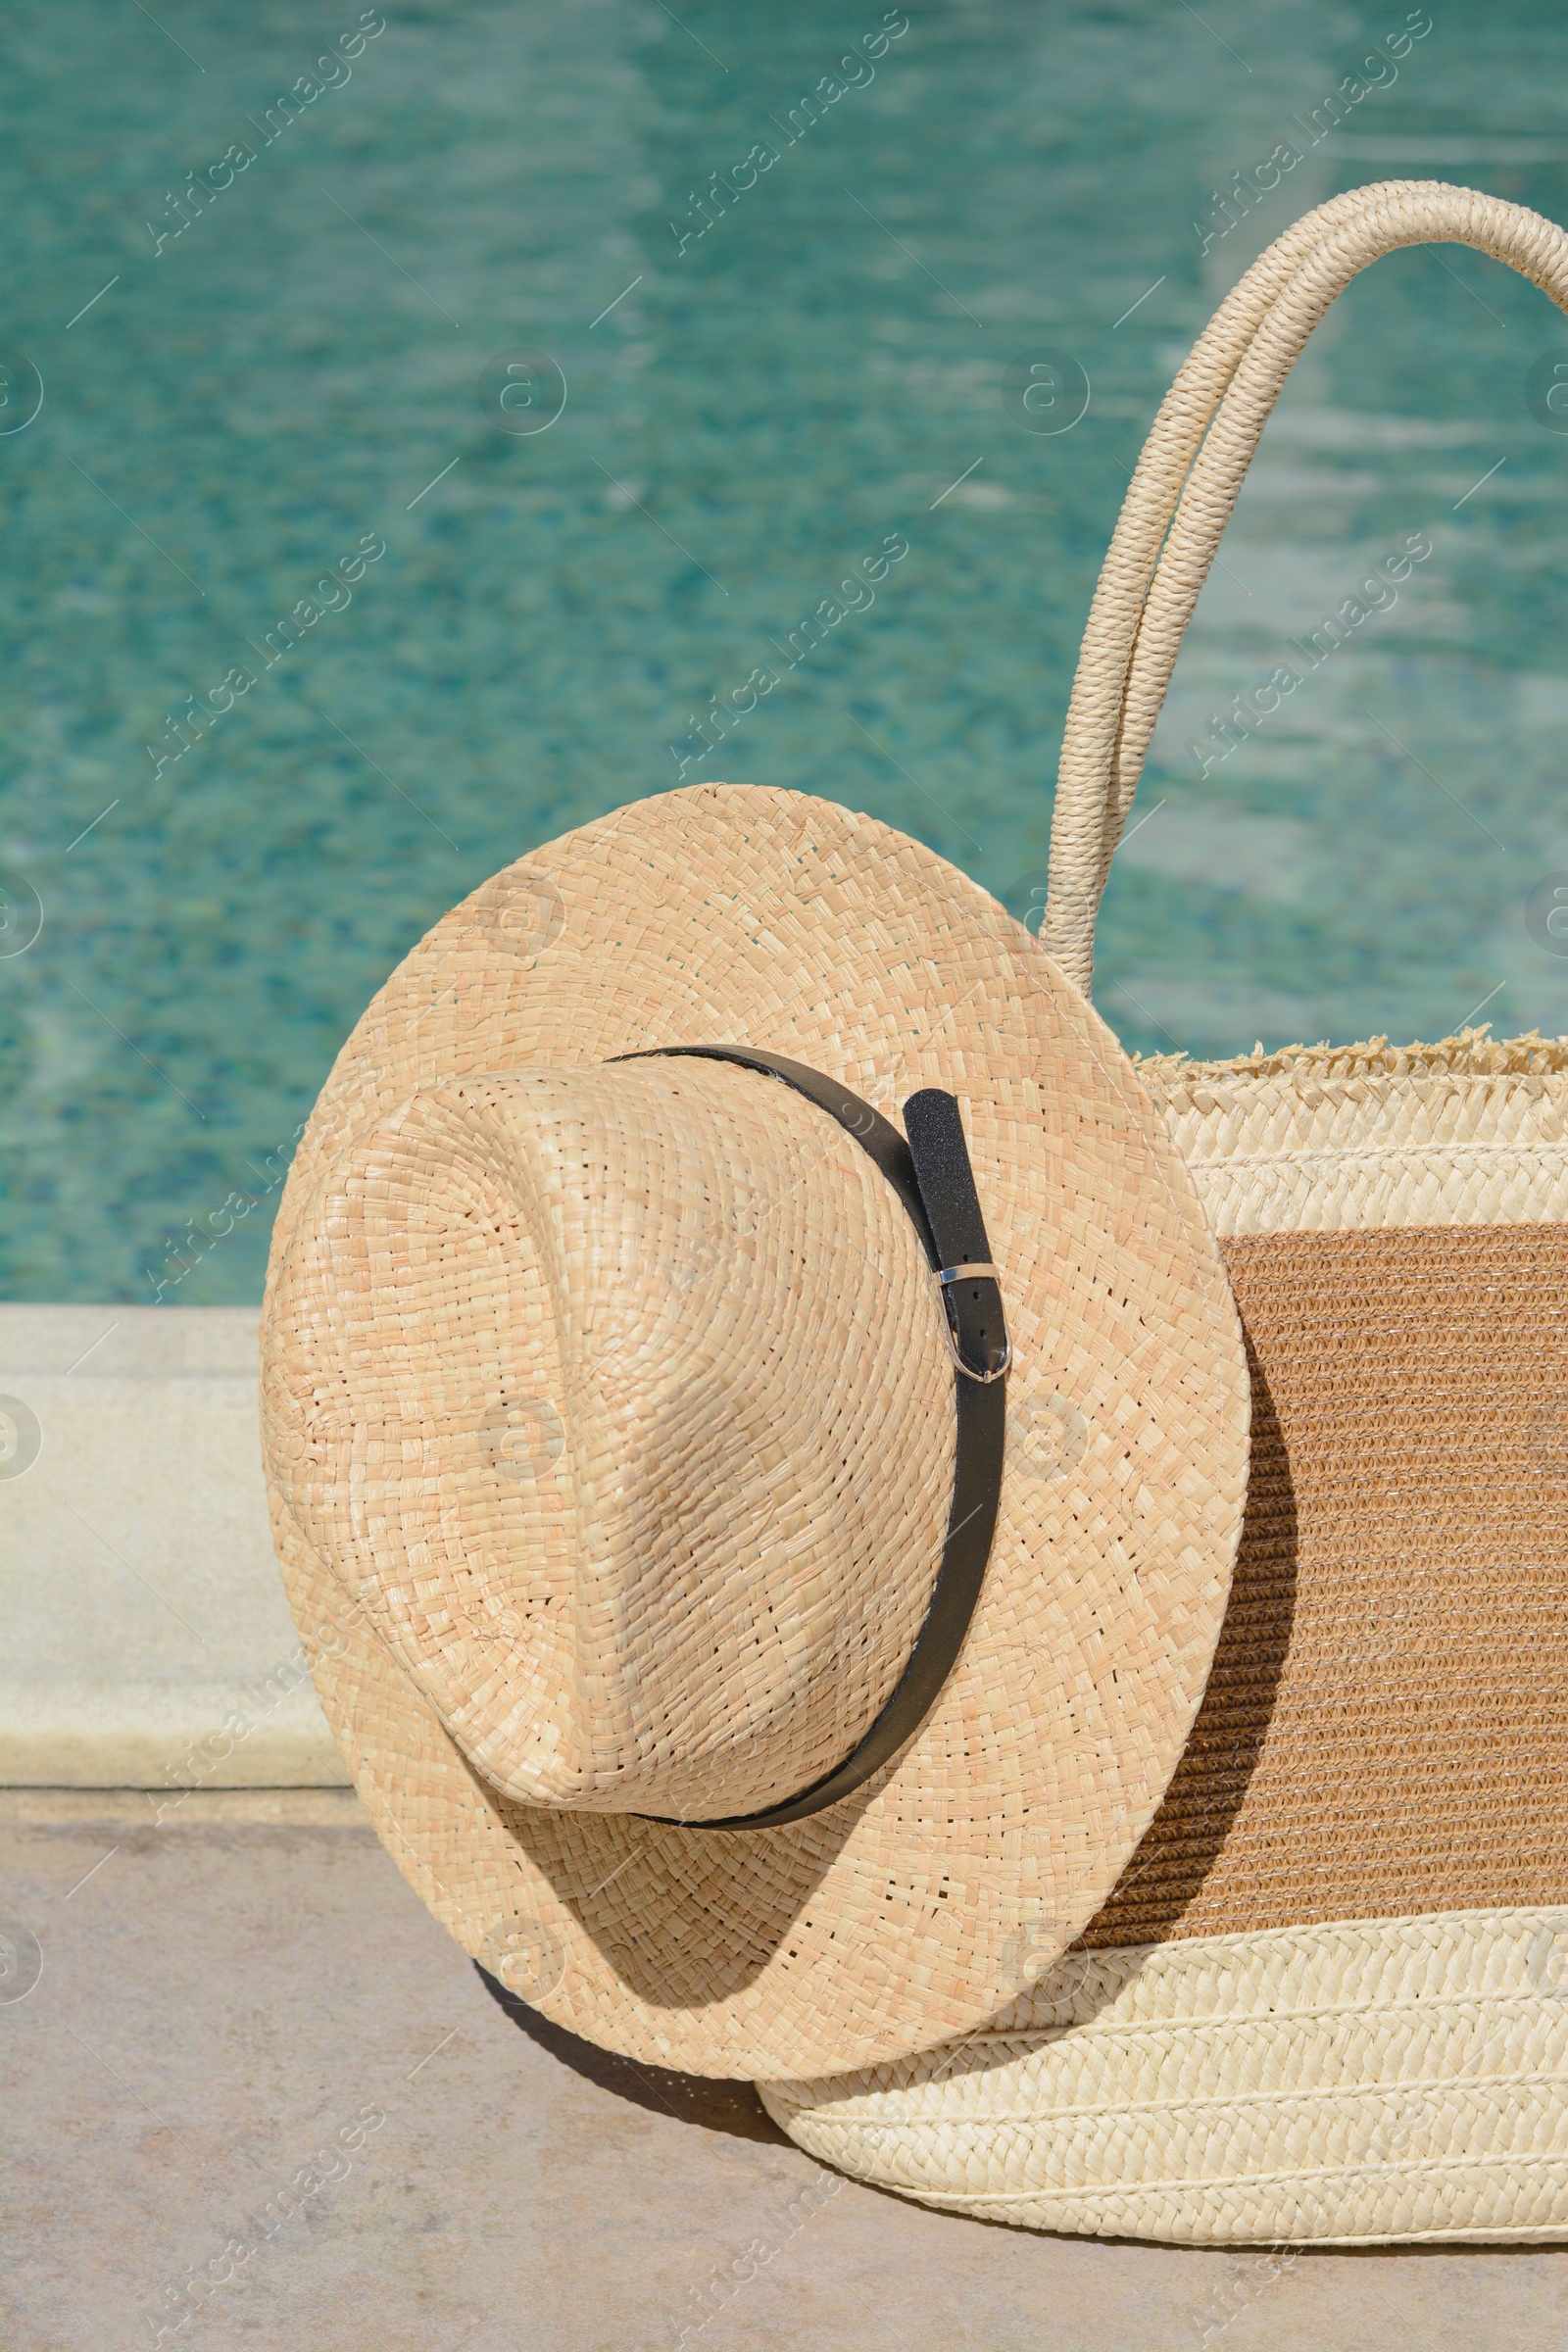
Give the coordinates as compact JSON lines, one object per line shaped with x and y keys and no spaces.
{"x":943,"y":1276}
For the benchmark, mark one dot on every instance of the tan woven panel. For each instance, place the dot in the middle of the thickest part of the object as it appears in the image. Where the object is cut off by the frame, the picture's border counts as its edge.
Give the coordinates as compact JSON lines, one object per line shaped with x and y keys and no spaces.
{"x":1386,"y":1727}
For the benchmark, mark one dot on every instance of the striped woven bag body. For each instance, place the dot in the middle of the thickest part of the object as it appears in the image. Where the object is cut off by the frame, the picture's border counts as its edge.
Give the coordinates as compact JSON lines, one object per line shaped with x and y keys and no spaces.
{"x":1329,"y":1998}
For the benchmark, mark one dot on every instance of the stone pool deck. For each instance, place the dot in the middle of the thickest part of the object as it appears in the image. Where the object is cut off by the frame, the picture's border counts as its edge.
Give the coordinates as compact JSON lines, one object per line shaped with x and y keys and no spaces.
{"x":255,"y":2096}
{"x":250,"y":2052}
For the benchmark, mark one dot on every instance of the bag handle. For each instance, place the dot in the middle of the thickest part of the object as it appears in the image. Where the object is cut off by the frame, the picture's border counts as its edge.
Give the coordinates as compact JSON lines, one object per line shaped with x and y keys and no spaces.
{"x":1187,"y":483}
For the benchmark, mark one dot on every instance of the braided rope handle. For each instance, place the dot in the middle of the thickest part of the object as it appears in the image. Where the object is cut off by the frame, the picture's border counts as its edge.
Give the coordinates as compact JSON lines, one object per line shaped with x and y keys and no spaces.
{"x":1188,"y":481}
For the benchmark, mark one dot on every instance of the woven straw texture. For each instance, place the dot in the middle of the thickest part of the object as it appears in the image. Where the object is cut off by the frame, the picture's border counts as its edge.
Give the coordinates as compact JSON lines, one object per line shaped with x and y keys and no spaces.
{"x":1386,"y":1728}
{"x":1324,"y":1139}
{"x":469,"y":1114}
{"x":1392,"y":2079}
{"x":603,"y":1596}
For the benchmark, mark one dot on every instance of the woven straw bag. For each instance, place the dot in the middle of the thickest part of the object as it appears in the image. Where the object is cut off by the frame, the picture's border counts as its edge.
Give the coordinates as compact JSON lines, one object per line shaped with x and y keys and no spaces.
{"x":1328,"y":1999}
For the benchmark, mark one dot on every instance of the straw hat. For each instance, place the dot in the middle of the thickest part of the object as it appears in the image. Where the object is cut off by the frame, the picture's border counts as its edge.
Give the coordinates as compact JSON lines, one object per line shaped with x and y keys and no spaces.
{"x":630,"y":1472}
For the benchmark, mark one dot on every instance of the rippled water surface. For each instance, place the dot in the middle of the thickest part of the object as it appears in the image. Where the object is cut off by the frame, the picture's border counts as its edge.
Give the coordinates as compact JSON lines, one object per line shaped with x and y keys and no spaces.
{"x":296,"y":377}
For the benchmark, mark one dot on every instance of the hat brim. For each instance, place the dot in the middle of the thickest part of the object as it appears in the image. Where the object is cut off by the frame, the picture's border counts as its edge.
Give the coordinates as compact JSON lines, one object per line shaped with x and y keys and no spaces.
{"x":916,"y":1908}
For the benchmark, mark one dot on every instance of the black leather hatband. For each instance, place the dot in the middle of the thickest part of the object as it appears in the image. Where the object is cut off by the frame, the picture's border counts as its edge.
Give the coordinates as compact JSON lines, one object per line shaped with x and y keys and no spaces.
{"x":932,"y":1176}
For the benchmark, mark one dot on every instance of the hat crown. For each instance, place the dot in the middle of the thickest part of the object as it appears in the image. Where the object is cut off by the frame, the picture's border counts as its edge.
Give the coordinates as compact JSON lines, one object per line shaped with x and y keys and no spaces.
{"x":620,"y":1397}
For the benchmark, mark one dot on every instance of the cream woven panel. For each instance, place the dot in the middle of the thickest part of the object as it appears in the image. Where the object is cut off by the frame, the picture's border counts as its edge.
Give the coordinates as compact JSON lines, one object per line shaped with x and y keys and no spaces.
{"x":1287,"y":1143}
{"x":1343,"y":2085}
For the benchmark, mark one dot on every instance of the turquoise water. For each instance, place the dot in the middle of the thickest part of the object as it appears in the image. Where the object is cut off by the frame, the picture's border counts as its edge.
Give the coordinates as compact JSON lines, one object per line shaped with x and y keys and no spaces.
{"x":271,"y":374}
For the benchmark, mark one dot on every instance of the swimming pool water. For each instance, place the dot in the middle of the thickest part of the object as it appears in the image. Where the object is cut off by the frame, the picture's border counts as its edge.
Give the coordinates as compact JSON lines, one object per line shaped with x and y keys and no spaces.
{"x":270,"y":445}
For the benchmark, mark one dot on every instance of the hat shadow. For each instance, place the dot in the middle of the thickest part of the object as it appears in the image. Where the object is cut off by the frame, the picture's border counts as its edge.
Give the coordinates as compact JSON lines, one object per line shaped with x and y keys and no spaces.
{"x":716,"y":2103}
{"x":733,"y":2109}
{"x":1165,"y":1874}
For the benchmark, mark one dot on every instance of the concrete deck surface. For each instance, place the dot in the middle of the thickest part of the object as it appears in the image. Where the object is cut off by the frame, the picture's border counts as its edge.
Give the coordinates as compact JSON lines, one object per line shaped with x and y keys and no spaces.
{"x":257,"y":2097}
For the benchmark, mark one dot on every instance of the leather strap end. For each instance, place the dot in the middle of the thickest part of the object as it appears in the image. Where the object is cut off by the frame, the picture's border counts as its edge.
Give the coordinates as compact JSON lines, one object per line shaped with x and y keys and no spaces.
{"x":976,"y":1320}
